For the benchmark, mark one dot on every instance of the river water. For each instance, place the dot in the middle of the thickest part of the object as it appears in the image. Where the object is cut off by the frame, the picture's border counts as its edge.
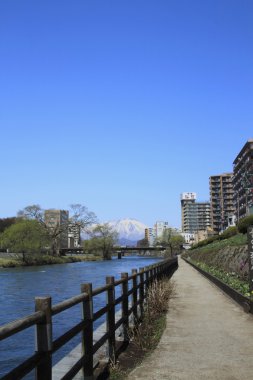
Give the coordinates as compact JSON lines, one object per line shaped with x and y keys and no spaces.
{"x":19,"y":286}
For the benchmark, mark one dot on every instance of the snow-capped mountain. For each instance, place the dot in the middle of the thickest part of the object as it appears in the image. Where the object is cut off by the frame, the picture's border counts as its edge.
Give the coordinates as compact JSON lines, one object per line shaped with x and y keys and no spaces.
{"x":129,"y":229}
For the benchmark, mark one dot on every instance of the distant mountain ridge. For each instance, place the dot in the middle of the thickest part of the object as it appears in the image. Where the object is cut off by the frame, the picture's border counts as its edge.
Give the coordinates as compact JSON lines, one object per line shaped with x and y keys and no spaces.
{"x":129,"y":230}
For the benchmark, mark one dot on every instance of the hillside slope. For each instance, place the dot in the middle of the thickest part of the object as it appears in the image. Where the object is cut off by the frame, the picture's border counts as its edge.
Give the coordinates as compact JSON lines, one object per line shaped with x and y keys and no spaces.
{"x":230,"y":255}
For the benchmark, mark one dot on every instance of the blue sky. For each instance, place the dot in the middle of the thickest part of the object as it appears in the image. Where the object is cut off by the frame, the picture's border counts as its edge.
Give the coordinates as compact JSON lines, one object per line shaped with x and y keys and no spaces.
{"x":121,"y":105}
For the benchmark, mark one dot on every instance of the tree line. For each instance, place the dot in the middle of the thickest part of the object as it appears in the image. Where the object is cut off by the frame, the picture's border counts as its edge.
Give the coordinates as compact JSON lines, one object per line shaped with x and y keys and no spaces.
{"x":30,"y":232}
{"x":170,"y":239}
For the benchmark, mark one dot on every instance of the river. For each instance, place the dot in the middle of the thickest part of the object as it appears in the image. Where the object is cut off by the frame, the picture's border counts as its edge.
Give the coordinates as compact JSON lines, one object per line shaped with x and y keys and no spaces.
{"x":19,"y":286}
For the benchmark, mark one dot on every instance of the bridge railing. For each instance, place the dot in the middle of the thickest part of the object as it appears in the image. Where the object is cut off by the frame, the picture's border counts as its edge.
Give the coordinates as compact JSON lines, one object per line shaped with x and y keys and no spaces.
{"x":133,"y":292}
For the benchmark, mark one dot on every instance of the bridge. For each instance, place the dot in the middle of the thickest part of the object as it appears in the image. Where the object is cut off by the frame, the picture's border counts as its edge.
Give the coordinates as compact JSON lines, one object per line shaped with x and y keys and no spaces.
{"x":120,"y":251}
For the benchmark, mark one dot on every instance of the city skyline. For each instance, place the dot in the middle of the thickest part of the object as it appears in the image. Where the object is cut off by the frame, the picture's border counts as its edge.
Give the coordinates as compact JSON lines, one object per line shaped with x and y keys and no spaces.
{"x":122,"y":106}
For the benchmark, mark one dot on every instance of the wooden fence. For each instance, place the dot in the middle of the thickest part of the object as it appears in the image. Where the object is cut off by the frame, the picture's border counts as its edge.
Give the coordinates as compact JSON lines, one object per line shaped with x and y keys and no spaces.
{"x":133,"y":288}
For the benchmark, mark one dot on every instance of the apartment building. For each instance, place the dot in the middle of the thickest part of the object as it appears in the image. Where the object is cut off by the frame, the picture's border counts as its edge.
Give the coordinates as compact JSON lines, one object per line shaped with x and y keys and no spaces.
{"x":74,"y":235}
{"x":195,"y":215}
{"x":57,"y":220}
{"x":221,"y":200}
{"x":243,"y":181}
{"x":150,"y":236}
{"x":159,"y":228}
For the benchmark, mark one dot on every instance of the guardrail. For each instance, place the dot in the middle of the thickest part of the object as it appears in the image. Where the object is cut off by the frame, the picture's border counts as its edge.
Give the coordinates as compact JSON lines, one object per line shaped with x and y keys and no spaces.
{"x":236,"y":296}
{"x":45,"y":346}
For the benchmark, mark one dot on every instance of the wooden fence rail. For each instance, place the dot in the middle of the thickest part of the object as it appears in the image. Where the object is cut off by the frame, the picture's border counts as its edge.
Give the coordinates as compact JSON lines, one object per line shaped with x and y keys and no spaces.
{"x":134,"y":289}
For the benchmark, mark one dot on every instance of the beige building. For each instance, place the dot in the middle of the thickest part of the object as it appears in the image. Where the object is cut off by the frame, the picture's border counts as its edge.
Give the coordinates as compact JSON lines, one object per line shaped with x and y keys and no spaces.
{"x":57,"y":221}
{"x":195,"y":215}
{"x":150,"y":236}
{"x":221,"y":199}
{"x":203,"y":235}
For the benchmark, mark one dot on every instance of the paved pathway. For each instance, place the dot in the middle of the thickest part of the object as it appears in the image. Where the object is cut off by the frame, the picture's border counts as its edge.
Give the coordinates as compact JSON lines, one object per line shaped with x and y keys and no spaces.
{"x":207,"y":335}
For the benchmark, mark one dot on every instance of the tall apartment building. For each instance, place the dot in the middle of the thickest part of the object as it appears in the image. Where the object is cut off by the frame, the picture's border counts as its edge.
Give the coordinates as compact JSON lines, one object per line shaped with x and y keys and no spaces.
{"x":159,"y":228}
{"x":58,"y":220}
{"x":150,"y":236}
{"x":195,"y":215}
{"x":243,"y":181}
{"x":221,"y":199}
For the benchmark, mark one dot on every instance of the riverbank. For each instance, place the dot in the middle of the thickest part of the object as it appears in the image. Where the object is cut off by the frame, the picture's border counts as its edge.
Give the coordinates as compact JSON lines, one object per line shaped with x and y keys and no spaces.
{"x":36,"y":260}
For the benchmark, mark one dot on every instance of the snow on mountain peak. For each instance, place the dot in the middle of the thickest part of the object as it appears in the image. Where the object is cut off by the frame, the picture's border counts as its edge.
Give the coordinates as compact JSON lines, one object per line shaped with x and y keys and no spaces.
{"x":129,"y":228}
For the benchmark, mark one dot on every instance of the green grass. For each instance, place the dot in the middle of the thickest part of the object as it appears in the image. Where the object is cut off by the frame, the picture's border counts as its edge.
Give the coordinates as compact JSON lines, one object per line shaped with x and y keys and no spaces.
{"x":9,"y":263}
{"x":234,"y":241}
{"x":33,"y":260}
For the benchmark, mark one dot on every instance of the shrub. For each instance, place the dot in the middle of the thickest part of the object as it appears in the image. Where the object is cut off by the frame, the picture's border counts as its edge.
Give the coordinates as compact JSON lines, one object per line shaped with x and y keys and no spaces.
{"x":205,"y":242}
{"x":145,"y":334}
{"x":229,"y":232}
{"x":159,"y":294}
{"x":244,"y":223}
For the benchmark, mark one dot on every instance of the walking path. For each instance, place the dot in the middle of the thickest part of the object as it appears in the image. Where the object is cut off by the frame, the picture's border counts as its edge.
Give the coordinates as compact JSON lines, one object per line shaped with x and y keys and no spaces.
{"x":207,"y":335}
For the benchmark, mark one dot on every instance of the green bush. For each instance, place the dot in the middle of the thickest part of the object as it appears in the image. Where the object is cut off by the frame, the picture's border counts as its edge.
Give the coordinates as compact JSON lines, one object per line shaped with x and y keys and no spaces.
{"x":205,"y":242}
{"x":244,"y":223}
{"x":229,"y":232}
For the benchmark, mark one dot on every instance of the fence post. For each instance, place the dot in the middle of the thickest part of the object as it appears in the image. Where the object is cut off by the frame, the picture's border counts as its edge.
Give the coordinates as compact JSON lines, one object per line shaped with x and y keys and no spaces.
{"x":87,"y":334}
{"x":156,"y":272}
{"x":163,"y":270}
{"x":141,"y":291}
{"x":167,"y":269}
{"x":44,"y":339}
{"x":125,"y":313}
{"x":135,"y":296}
{"x":151,"y":274}
{"x":159,"y":272}
{"x":110,"y":318}
{"x":147,"y":281}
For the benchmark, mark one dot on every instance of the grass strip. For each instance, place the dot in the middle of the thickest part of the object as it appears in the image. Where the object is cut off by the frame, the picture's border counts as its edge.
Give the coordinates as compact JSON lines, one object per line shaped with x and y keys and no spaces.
{"x":33,"y":260}
{"x":231,"y":279}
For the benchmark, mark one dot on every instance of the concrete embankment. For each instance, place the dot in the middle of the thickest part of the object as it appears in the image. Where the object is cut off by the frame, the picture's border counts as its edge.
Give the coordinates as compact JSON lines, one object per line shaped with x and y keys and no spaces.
{"x":229,"y":259}
{"x":207,"y":336}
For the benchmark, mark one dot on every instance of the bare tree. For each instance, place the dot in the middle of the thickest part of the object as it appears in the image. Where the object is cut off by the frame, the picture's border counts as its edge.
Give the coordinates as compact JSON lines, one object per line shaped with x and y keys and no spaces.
{"x":80,"y":216}
{"x":32,"y":212}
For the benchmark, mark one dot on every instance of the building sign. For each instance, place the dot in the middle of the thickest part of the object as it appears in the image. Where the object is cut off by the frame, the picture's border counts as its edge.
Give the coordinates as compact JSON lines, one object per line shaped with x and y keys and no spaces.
{"x":188,"y":196}
{"x":250,"y":250}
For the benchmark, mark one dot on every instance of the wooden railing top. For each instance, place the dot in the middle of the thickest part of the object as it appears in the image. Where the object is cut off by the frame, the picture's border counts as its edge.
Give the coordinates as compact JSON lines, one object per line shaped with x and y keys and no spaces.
{"x":21,"y":324}
{"x":64,"y":305}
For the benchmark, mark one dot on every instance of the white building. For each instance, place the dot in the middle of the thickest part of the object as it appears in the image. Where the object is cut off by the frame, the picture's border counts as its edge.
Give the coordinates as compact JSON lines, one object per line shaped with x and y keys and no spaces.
{"x":188,"y":237}
{"x":160,"y":227}
{"x":150,"y":236}
{"x":74,"y":236}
